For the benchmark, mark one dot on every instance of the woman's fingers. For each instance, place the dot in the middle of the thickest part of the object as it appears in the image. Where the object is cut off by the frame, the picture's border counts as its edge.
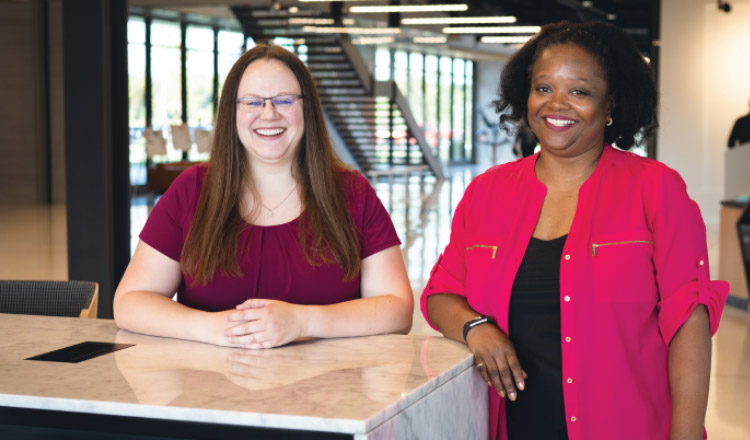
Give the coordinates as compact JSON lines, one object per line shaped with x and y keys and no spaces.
{"x":497,"y":361}
{"x":482,"y":369}
{"x":254,"y":303}
{"x":244,"y":328}
{"x":519,"y":375}
{"x":502,"y":378}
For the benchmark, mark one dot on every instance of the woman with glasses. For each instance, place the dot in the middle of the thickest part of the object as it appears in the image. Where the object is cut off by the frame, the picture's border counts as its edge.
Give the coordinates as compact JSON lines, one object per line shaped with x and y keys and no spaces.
{"x":274,"y":239}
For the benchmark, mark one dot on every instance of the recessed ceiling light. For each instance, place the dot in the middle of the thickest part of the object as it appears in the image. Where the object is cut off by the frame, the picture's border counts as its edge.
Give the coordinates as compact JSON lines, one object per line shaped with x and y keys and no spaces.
{"x":611,"y":17}
{"x":587,"y":4}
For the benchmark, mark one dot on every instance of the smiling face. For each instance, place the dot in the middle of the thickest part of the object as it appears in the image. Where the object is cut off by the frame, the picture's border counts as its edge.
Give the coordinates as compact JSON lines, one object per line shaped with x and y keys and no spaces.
{"x":271,"y":134}
{"x":568,"y":103}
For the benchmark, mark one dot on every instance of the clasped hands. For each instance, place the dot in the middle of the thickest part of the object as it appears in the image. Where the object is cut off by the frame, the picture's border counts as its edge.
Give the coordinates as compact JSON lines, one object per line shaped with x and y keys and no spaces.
{"x":264,"y":323}
{"x":496,"y":360}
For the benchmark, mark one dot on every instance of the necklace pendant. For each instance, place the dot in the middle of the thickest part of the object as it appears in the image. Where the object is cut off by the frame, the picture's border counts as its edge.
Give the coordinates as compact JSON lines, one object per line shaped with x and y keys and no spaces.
{"x":270,"y":213}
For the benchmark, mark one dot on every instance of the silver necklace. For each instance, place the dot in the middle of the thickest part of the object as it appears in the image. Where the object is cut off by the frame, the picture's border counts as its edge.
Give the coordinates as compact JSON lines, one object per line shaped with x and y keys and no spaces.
{"x":271,"y":210}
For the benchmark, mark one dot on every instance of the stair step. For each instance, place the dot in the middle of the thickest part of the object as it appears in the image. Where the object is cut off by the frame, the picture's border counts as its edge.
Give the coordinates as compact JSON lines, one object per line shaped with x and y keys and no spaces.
{"x":333,"y":74}
{"x":339,"y":82}
{"x":345,"y":126}
{"x":329,"y":66}
{"x":340,"y":91}
{"x":337,"y":99}
{"x":371,"y":121}
{"x":371,"y":106}
{"x":364,"y":113}
{"x":322,"y":42}
{"x":325,"y":57}
{"x":314,"y":48}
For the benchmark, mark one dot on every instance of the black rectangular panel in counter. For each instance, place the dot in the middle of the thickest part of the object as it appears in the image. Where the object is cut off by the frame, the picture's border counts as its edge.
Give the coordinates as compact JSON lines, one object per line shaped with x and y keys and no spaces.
{"x":79,"y":352}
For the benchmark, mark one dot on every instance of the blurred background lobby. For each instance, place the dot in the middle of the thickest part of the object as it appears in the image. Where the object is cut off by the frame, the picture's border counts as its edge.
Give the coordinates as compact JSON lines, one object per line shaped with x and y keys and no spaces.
{"x":103,"y":102}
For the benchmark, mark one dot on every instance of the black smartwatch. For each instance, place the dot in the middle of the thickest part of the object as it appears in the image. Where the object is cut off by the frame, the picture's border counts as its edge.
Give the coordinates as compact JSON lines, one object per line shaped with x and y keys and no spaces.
{"x":479,"y":320}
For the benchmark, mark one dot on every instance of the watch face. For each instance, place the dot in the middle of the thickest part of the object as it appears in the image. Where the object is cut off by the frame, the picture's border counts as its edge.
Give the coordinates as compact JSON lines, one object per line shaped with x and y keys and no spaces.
{"x":471,"y":323}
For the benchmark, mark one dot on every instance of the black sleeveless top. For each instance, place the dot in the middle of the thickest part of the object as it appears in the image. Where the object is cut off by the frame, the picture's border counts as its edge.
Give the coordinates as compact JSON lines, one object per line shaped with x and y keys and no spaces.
{"x":534,"y":327}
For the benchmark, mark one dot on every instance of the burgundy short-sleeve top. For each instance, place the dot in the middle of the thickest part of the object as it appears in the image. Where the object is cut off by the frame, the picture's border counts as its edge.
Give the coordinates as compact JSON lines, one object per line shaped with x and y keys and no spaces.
{"x":270,"y":257}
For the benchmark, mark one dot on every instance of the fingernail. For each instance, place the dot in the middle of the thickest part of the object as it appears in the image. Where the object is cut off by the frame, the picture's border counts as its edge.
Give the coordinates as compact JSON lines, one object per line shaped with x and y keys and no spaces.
{"x":502,"y":394}
{"x":512,"y":396}
{"x":489,"y":384}
{"x":520,"y":385}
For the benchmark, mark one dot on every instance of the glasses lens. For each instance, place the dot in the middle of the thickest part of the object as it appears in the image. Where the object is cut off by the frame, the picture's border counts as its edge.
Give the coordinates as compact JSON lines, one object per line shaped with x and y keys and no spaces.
{"x":284,"y":100}
{"x":250,"y":103}
{"x":254,"y":102}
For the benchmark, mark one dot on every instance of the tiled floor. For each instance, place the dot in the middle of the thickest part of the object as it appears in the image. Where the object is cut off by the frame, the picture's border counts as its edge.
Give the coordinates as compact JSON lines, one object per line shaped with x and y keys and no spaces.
{"x":33,"y":246}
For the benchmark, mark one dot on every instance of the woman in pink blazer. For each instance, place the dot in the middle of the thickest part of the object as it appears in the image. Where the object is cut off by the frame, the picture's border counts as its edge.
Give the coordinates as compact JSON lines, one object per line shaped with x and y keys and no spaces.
{"x":579,"y":276}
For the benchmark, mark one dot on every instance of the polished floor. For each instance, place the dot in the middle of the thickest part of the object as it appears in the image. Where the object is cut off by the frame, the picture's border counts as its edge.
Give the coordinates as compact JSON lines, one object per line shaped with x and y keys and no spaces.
{"x":33,"y":246}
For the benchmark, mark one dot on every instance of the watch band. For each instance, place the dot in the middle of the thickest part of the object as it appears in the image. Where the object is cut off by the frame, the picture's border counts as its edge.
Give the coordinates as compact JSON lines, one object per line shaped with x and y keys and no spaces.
{"x":479,"y":320}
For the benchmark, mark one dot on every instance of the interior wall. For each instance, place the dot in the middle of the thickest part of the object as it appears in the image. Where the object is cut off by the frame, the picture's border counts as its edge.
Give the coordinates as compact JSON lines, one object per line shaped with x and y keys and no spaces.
{"x":56,"y":102}
{"x":23,"y":175}
{"x":704,"y":83}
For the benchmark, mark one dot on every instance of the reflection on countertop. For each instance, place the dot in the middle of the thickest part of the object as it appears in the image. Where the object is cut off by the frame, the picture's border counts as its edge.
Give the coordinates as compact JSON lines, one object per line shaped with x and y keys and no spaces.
{"x":356,"y":383}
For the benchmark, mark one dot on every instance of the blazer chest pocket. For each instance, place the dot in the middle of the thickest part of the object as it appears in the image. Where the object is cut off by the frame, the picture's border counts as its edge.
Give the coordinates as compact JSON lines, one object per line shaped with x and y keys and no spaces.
{"x":623,"y":270}
{"x":479,"y":259}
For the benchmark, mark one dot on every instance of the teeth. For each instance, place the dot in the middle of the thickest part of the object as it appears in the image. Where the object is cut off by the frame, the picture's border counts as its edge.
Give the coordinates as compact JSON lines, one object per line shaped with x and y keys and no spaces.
{"x":560,"y":122}
{"x":269,"y":132}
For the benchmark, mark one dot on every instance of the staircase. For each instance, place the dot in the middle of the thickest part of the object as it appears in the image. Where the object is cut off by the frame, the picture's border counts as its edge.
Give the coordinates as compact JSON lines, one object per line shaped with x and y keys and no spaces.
{"x":370,"y":119}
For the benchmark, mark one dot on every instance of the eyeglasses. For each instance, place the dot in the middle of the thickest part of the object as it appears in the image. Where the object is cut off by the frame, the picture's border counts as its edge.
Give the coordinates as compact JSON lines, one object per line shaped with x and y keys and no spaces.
{"x":254,"y":103}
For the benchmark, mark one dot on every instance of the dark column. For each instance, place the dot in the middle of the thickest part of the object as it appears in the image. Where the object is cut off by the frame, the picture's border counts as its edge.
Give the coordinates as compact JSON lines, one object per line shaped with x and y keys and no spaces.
{"x":96,"y":143}
{"x":655,"y":58}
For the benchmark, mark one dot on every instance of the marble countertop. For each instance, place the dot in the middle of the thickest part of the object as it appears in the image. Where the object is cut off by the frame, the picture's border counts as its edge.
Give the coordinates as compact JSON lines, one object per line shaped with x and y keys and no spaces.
{"x":337,"y":385}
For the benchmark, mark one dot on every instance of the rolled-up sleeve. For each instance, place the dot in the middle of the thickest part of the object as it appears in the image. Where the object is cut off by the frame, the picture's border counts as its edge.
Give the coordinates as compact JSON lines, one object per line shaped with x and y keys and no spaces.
{"x":681,"y":258}
{"x":449,"y":273}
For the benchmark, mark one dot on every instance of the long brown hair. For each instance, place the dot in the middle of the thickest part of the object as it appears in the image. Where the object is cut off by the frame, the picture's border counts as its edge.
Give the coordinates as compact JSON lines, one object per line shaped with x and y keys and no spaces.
{"x":326,"y":231}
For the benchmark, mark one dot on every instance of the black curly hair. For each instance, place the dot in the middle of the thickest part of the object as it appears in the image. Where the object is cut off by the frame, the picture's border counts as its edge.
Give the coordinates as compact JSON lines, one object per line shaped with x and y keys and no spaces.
{"x":630,"y":83}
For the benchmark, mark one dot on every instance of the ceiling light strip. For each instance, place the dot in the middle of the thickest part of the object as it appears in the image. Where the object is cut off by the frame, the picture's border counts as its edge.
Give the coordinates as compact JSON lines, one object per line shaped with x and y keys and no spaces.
{"x":373,"y":40}
{"x":310,"y":20}
{"x":350,"y":30}
{"x":505,"y":39}
{"x":408,"y":8}
{"x":430,"y":40}
{"x":492,"y":30}
{"x":459,"y":20}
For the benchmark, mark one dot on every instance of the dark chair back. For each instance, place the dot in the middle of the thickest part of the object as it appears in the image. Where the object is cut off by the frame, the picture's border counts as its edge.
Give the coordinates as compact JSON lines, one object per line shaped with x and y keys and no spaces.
{"x":51,"y":298}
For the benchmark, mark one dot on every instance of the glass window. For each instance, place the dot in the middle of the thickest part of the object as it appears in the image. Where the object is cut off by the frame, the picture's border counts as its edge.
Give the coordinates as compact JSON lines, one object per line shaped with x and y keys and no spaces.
{"x":458,"y":110}
{"x":165,"y":33}
{"x":416,"y":82}
{"x":431,"y":100}
{"x":137,"y":98}
{"x":136,"y":72}
{"x":136,"y":30}
{"x":400,"y":71}
{"x":444,"y":130}
{"x":230,"y":48}
{"x":469,"y":93}
{"x":166,"y":99}
{"x":200,"y":76}
{"x":382,"y":64}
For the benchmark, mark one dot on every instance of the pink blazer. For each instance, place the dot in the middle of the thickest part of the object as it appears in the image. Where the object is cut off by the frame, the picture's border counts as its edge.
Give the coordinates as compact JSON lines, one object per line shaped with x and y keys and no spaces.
{"x":634,"y":267}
